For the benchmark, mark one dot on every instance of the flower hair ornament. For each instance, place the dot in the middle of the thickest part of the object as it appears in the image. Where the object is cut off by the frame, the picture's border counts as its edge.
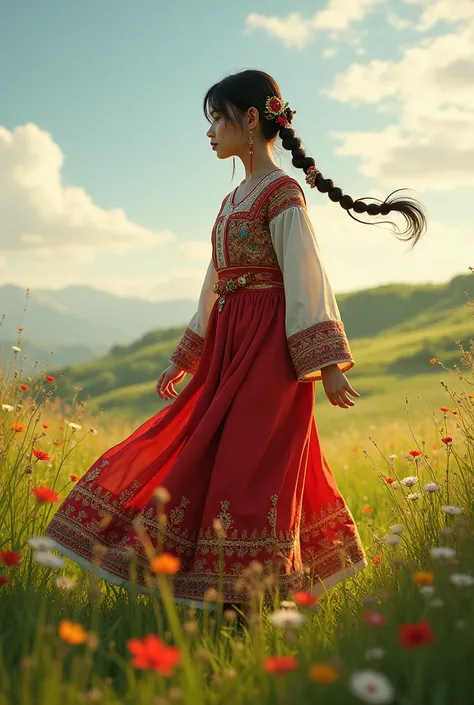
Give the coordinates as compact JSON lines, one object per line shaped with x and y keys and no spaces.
{"x":276,"y":109}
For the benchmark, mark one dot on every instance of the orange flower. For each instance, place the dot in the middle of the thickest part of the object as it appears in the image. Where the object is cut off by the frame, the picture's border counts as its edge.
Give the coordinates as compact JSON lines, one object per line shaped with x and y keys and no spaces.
{"x":376,"y":559}
{"x":444,"y":408}
{"x":389,"y":480}
{"x":433,"y":361}
{"x":304,"y":598}
{"x":367,"y":509}
{"x":40,"y":454}
{"x":455,"y":411}
{"x":151,"y":653}
{"x":24,"y":387}
{"x":414,"y":453}
{"x":72,"y":632}
{"x":74,"y":478}
{"x":165,"y":563}
{"x":18,"y":427}
{"x":49,"y":378}
{"x":45,"y":494}
{"x":323,"y":673}
{"x":45,"y":425}
{"x":10,"y":557}
{"x":447,"y":440}
{"x":423,"y":577}
{"x":280,"y":664}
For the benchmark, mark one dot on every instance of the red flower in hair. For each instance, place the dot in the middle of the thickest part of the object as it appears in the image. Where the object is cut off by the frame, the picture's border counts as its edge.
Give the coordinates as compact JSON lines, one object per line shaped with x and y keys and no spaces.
{"x":276,"y":105}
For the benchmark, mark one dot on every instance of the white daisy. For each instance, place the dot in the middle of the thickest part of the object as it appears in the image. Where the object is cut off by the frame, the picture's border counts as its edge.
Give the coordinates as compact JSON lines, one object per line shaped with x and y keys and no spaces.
{"x":393,"y":456}
{"x":397,"y":528}
{"x":16,"y":349}
{"x":41,"y":543}
{"x":50,"y":560}
{"x":374,"y":654}
{"x":7,"y":407}
{"x":461,"y":580}
{"x":74,"y":426}
{"x":371,"y":686}
{"x":432,"y":487}
{"x":392,"y":539}
{"x":410,"y":481}
{"x":427,"y":590}
{"x":414,"y":496}
{"x":65,"y":583}
{"x":287,"y":618}
{"x":451,"y":509}
{"x":442,"y":552}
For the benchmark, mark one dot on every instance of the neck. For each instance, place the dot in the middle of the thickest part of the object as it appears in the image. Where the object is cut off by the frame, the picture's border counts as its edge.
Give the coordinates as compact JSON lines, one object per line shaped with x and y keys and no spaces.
{"x":262,"y":163}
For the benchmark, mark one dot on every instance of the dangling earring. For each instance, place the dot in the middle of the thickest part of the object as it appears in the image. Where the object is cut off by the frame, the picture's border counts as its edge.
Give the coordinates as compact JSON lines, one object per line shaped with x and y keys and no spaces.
{"x":251,"y":151}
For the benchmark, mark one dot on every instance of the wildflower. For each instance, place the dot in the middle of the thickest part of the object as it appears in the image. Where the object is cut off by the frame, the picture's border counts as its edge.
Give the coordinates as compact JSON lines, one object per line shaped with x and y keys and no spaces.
{"x":393,"y":456}
{"x":305,"y":599}
{"x":16,"y":349}
{"x":72,"y":632}
{"x":280,"y":664}
{"x":287,"y":618}
{"x":7,"y":407}
{"x":367,"y":509}
{"x":4,"y":579}
{"x":11,"y":558}
{"x":447,"y":440}
{"x":416,"y":634}
{"x":371,"y":686}
{"x":74,"y":426}
{"x":50,"y":560}
{"x":376,"y":560}
{"x":41,"y":543}
{"x":65,"y":583}
{"x":288,"y":605}
{"x":93,"y":430}
{"x":40,"y":454}
{"x":426,"y":590}
{"x":151,"y":653}
{"x":49,"y":378}
{"x":423,"y":577}
{"x":432,"y":487}
{"x":461,"y":580}
{"x":389,"y":480}
{"x":451,"y":509}
{"x":323,"y":673}
{"x":395,"y":485}
{"x":433,"y":361}
{"x":442,"y":552}
{"x":409,"y":481}
{"x":18,"y":427}
{"x":57,"y":442}
{"x":375,"y":653}
{"x":45,"y":425}
{"x":444,"y":408}
{"x":45,"y":494}
{"x":414,"y":453}
{"x":392,"y":539}
{"x":165,"y":563}
{"x":414,"y":496}
{"x":375,"y":619}
{"x":74,"y":478}
{"x":24,"y":387}
{"x":397,"y":528}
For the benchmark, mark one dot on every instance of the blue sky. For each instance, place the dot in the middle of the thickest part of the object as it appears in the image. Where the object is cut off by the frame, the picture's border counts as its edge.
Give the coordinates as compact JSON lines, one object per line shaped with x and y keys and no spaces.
{"x":107,"y":175}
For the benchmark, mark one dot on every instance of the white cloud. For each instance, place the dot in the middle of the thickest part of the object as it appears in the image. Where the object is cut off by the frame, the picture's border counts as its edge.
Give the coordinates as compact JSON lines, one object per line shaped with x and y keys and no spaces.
{"x":450,"y":11}
{"x":329,"y":53}
{"x":296,"y":31}
{"x":39,"y":213}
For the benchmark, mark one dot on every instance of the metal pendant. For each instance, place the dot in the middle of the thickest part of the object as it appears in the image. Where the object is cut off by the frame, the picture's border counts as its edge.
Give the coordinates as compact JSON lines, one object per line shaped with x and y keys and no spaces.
{"x":220,"y":303}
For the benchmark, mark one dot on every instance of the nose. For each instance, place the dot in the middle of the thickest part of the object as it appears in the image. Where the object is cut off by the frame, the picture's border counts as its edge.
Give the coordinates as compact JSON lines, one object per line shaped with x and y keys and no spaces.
{"x":209,"y":133}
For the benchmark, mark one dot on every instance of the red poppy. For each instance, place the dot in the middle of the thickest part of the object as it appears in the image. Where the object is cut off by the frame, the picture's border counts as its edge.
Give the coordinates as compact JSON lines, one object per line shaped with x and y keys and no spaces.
{"x":49,"y":378}
{"x":45,"y":494}
{"x":414,"y":453}
{"x":376,"y":559}
{"x":4,"y":579}
{"x":433,"y":361}
{"x":45,"y":425}
{"x":40,"y":454}
{"x":24,"y":387}
{"x":444,"y":408}
{"x":280,"y":664}
{"x":18,"y":427}
{"x":416,"y":634}
{"x":10,"y":557}
{"x":304,"y":598}
{"x":151,"y":653}
{"x":447,"y":440}
{"x":389,"y":480}
{"x":375,"y":619}
{"x":367,"y":509}
{"x":74,"y":478}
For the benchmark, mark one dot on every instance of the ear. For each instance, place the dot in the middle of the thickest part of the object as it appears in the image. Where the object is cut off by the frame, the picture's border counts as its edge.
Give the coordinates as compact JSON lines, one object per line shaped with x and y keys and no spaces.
{"x":253,"y":117}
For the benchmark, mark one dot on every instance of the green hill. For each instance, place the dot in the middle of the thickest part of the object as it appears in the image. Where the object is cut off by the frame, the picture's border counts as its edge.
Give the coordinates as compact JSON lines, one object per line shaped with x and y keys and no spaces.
{"x":393,"y":331}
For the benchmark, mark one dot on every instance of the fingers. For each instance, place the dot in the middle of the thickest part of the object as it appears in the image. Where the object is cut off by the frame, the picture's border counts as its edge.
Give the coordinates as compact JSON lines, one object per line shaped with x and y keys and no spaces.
{"x":340,"y":398}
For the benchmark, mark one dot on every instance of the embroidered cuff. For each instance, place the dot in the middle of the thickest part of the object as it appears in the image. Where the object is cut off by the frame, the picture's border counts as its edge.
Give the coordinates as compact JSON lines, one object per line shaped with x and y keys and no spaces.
{"x":323,"y":344}
{"x":188,"y":351}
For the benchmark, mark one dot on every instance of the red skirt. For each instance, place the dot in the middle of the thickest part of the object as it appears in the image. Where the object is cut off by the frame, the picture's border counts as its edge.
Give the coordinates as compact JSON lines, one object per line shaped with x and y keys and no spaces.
{"x":238,"y":444}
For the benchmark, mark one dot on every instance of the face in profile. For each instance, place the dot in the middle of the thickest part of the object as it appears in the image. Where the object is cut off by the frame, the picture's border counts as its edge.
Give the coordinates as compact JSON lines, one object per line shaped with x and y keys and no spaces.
{"x":227,"y":137}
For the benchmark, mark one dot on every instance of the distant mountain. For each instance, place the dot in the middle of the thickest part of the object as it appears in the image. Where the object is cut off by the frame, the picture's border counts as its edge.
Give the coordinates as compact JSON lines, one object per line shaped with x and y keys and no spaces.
{"x":62,"y":354}
{"x":80,"y":315}
{"x":393,"y":332}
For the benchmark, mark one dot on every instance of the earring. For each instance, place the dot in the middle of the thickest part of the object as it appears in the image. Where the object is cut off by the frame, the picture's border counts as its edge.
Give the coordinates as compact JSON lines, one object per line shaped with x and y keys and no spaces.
{"x":251,"y":151}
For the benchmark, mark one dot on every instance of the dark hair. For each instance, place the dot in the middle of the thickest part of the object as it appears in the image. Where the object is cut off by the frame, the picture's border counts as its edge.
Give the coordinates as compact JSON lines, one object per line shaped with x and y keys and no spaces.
{"x":251,"y":88}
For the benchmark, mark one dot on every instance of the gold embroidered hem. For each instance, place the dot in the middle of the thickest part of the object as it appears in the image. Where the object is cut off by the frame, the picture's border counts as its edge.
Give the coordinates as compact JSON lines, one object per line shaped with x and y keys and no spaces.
{"x":188,"y":351}
{"x":323,"y":344}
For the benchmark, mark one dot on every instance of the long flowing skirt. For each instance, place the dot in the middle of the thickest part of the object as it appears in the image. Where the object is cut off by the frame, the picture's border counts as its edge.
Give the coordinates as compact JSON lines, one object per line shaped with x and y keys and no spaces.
{"x":239,"y":444}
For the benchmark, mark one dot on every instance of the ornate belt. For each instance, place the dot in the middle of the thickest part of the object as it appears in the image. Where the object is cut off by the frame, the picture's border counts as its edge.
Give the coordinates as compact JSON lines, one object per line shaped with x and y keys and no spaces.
{"x":255,"y":278}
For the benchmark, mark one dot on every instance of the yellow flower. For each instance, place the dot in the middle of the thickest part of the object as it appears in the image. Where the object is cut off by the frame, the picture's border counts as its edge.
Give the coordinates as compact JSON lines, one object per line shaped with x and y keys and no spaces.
{"x":423,"y":577}
{"x":72,"y":632}
{"x":323,"y":673}
{"x":165,"y":563}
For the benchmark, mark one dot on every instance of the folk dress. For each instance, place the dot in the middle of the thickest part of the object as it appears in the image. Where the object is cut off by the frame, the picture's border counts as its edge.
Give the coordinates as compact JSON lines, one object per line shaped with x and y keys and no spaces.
{"x":239,"y":443}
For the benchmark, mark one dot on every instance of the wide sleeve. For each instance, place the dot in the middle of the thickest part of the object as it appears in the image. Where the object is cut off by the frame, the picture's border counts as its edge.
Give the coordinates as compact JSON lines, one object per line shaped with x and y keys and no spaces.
{"x":188,"y":351}
{"x":315,"y":333}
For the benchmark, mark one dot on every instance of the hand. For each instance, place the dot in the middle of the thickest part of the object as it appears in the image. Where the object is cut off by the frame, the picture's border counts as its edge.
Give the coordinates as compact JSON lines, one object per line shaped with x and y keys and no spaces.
{"x":168,"y":378}
{"x":337,"y":387}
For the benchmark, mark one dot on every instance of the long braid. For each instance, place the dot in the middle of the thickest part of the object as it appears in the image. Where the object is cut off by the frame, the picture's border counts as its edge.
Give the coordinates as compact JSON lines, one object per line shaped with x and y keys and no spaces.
{"x":411,"y":209}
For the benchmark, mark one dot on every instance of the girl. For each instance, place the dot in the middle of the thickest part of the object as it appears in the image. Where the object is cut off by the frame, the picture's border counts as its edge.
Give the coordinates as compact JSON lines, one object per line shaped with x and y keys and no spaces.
{"x":232,"y":475}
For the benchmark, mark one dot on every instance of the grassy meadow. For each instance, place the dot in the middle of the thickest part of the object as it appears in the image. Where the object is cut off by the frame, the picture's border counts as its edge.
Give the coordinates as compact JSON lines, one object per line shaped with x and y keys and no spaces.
{"x":400,"y":632}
